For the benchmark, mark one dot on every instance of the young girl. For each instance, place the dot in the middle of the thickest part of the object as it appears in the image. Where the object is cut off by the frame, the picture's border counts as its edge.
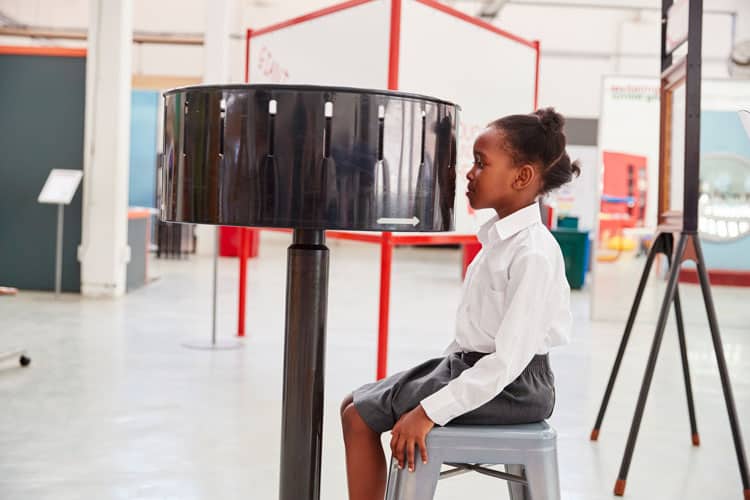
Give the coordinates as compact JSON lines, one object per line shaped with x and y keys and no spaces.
{"x":515,"y":306}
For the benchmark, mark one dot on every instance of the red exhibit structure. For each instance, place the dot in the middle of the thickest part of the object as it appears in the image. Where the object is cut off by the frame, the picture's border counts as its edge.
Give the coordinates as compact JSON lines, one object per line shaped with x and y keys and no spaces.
{"x":386,"y":240}
{"x":624,"y":192}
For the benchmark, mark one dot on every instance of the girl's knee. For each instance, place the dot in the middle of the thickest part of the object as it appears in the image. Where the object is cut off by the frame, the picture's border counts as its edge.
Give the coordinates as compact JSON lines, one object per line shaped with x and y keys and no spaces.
{"x":352,"y":421}
{"x":348,"y":400}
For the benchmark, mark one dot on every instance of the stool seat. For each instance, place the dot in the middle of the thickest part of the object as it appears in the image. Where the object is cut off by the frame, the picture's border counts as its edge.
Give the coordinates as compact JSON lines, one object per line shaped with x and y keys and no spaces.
{"x":528,"y":452}
{"x":538,"y":432}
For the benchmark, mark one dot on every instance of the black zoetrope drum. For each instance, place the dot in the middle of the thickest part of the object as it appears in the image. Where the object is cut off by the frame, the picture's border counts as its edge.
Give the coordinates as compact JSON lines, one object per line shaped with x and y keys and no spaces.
{"x":309,"y":157}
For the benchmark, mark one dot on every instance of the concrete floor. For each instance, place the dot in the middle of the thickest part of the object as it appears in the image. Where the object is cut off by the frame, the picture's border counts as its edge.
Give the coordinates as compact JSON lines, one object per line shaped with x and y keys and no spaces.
{"x":114,"y":407}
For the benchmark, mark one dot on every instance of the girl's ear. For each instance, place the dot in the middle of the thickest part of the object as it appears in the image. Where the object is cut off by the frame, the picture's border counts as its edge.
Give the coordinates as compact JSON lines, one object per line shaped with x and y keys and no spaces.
{"x":525,"y":177}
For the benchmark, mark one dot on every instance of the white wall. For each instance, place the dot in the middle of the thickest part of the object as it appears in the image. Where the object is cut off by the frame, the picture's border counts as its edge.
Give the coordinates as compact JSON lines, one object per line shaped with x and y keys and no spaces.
{"x":579,"y":45}
{"x":169,"y":16}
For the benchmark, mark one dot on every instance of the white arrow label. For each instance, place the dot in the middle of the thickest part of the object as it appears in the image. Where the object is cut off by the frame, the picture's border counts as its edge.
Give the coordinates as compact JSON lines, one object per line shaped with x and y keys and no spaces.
{"x":385,"y":220}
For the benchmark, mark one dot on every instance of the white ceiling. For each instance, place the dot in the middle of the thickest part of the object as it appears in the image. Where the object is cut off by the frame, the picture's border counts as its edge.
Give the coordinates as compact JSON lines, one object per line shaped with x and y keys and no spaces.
{"x":189,"y":15}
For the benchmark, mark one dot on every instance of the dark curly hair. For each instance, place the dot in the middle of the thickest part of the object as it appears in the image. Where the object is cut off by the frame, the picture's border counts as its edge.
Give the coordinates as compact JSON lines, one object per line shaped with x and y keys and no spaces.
{"x":538,"y":138}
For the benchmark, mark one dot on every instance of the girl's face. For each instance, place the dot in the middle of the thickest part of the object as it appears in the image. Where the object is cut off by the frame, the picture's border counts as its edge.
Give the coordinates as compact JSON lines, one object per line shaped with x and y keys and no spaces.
{"x":493,"y":172}
{"x":495,"y":180}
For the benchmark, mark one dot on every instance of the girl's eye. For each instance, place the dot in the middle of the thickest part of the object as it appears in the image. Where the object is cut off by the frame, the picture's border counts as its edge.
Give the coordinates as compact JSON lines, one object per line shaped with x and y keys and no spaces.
{"x":478,"y":163}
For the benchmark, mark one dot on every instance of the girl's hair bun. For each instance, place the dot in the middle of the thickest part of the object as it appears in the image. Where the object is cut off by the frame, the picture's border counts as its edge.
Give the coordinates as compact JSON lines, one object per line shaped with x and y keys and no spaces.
{"x":551,"y":120}
{"x":539,"y":138}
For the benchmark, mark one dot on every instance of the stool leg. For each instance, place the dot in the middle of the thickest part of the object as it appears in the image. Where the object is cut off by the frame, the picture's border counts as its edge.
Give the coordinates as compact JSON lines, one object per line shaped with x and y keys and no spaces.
{"x":391,"y":486}
{"x":517,"y":491}
{"x":542,"y":476}
{"x":417,"y":485}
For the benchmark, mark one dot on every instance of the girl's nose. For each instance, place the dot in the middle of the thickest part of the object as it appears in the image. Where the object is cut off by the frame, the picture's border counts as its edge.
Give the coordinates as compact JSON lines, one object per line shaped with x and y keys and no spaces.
{"x":470,"y":175}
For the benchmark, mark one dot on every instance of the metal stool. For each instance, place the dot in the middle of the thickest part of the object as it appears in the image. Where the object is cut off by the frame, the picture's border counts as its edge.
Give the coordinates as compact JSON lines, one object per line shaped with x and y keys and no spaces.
{"x":528,"y":452}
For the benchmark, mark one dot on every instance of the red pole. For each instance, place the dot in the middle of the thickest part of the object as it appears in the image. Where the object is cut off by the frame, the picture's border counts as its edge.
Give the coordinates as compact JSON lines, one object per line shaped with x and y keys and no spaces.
{"x":386,"y":255}
{"x":386,"y":243}
{"x":247,"y":54}
{"x":395,"y":45}
{"x":536,"y":75}
{"x":243,"y":282}
{"x":243,"y":232}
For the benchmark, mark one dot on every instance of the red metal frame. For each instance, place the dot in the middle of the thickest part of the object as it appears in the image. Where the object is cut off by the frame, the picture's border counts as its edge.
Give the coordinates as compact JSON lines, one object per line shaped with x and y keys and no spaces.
{"x":386,"y":240}
{"x":310,"y":16}
{"x":433,"y":239}
{"x":248,"y":34}
{"x":386,"y":245}
{"x":394,"y":46}
{"x":534,"y":44}
{"x":293,"y":21}
{"x":386,"y":258}
{"x":536,"y":74}
{"x":397,"y":239}
{"x":476,"y":22}
{"x":352,"y":236}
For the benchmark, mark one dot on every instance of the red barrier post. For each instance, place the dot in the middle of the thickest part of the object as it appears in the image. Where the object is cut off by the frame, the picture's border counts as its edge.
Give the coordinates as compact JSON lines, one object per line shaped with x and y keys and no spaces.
{"x":386,"y":256}
{"x":470,"y":250}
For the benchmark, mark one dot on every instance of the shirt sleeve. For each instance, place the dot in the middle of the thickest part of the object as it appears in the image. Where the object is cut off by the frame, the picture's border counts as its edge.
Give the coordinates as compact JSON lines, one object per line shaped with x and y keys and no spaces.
{"x":452,"y":347}
{"x":521,"y":332}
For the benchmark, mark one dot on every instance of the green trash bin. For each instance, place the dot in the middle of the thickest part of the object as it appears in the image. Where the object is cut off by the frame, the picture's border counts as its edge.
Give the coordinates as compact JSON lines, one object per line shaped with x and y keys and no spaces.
{"x":575,"y":249}
{"x":567,"y":222}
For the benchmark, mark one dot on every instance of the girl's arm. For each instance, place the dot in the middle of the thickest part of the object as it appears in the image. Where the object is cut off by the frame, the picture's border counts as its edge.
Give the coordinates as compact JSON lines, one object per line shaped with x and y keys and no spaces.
{"x":452,"y":347}
{"x":534,"y":305}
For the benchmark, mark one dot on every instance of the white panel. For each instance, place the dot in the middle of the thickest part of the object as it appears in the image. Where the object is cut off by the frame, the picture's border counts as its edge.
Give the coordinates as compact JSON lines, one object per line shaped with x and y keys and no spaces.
{"x":676,"y":174}
{"x":629,"y":124}
{"x":580,"y":197}
{"x":265,"y":13}
{"x":345,"y":48}
{"x":487,"y":74}
{"x":560,"y":28}
{"x":572,"y":85}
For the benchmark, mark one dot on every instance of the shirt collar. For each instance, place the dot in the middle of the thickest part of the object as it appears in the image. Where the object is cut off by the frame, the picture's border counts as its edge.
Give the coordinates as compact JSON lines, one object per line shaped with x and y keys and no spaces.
{"x":497,"y":228}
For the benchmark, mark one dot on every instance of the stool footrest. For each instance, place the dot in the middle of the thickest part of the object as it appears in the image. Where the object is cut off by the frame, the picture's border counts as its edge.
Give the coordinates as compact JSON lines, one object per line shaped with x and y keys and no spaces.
{"x":483,"y":470}
{"x":528,"y":452}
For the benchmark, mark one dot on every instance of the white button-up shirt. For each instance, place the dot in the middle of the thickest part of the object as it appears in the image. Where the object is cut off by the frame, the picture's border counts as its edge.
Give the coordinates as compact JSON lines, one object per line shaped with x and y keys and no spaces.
{"x":515,"y":304}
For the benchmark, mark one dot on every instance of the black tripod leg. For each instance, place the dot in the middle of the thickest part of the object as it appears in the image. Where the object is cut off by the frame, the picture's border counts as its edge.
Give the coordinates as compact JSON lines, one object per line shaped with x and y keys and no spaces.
{"x":686,"y":368}
{"x":723,"y":374}
{"x":656,"y":248}
{"x":674,"y":272}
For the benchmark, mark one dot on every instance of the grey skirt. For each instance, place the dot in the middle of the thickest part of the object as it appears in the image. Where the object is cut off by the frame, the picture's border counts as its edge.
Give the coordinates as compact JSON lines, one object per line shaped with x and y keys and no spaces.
{"x":529,"y":398}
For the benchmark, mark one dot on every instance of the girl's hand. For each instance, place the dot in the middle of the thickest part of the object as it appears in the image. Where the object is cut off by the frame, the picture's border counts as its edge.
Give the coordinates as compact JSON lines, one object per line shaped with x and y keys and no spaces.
{"x":410,"y":430}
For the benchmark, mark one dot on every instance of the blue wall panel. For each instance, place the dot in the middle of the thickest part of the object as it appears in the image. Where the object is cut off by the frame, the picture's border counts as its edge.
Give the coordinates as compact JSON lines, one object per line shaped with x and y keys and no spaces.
{"x":143,"y":130}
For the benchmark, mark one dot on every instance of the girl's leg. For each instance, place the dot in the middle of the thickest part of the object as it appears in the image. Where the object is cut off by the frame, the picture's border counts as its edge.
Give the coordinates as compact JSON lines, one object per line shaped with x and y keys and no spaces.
{"x":365,"y":461}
